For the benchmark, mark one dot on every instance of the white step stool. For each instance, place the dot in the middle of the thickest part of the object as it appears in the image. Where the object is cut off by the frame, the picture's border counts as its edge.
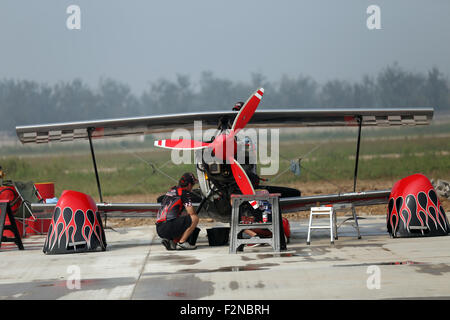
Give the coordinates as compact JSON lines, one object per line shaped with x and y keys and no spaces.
{"x":320,"y":211}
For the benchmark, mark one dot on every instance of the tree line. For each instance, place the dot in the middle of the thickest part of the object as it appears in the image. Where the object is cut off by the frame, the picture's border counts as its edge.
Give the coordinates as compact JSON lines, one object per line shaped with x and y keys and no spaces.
{"x":25,"y":102}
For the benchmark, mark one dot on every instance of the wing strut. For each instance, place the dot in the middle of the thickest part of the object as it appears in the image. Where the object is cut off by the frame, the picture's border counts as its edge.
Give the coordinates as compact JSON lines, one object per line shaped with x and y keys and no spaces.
{"x":95,"y":163}
{"x":357,"y":153}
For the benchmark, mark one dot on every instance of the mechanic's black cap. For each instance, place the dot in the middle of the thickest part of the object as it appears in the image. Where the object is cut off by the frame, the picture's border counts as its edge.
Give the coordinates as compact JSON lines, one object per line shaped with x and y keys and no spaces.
{"x":238,"y":106}
{"x":186,"y":179}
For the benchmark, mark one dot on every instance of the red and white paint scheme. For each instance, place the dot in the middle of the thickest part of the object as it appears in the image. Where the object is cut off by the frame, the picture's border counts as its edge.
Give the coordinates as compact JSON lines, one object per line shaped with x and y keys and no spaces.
{"x":181,"y":144}
{"x":414,"y":209}
{"x":224,"y":146}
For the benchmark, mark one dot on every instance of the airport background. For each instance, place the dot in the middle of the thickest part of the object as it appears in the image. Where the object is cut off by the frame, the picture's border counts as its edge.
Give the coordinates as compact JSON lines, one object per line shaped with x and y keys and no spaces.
{"x":154,"y":57}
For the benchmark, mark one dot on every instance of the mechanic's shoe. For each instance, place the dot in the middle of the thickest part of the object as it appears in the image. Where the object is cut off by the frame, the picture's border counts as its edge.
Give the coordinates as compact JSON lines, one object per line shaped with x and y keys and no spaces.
{"x":185,"y":246}
{"x":254,"y":245}
{"x":169,"y":244}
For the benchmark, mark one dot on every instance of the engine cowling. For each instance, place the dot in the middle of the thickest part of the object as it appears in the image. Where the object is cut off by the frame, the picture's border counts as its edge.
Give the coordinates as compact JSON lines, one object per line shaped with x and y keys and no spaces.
{"x":414,"y":209}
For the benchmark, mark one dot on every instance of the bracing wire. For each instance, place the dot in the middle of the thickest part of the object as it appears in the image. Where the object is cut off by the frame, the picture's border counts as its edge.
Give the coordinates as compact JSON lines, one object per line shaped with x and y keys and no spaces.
{"x":149,"y":163}
{"x":303,"y":157}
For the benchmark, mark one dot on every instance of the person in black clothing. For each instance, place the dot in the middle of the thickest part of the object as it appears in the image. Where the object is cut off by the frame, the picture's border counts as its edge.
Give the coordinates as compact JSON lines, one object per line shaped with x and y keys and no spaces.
{"x":177,"y":217}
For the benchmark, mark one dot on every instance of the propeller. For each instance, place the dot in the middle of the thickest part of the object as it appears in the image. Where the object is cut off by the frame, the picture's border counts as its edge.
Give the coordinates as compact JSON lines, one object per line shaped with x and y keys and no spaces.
{"x":181,"y":144}
{"x":247,"y":111}
{"x":224,"y":145}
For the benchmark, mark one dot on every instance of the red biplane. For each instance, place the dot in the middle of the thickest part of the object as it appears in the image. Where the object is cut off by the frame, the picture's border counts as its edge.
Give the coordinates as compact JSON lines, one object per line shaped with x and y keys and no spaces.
{"x":219,"y":179}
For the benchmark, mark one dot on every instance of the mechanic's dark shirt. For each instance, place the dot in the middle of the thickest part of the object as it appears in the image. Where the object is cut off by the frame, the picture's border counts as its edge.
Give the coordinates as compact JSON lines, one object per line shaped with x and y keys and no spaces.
{"x":173,"y":203}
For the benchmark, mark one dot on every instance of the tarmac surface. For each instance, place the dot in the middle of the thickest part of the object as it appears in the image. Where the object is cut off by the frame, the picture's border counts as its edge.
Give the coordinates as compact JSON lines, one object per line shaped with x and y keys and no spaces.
{"x":136,"y":266}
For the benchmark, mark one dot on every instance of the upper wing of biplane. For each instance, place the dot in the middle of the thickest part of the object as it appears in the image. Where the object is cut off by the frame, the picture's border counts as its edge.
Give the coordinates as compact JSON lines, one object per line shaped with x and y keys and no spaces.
{"x":68,"y":131}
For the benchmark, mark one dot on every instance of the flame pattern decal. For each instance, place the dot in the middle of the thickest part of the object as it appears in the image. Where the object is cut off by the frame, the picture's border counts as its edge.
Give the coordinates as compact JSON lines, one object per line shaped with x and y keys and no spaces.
{"x":420,"y":209}
{"x":74,"y":232}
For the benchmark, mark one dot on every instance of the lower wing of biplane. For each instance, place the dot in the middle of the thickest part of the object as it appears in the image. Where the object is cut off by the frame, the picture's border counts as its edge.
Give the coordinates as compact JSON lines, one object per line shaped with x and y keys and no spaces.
{"x":288,"y":204}
{"x":354,"y":117}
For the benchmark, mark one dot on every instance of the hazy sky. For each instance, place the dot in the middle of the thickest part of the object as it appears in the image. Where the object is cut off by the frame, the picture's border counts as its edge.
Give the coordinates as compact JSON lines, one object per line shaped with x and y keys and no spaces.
{"x":138,"y":41}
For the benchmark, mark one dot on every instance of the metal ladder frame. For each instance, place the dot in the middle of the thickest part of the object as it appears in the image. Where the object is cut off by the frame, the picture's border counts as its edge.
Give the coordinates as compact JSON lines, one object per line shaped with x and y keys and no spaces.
{"x":346,"y":206}
{"x":277,"y":242}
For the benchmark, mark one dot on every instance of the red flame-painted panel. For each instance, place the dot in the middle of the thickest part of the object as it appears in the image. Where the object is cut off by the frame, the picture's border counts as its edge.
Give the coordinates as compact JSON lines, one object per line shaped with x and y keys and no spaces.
{"x":414,"y":209}
{"x":76,"y":225}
